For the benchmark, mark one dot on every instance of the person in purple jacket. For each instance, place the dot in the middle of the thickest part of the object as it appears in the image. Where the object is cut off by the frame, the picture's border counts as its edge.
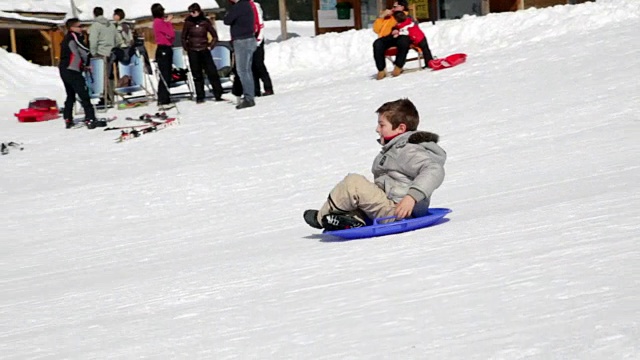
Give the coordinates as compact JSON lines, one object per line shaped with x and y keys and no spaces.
{"x":165,"y":35}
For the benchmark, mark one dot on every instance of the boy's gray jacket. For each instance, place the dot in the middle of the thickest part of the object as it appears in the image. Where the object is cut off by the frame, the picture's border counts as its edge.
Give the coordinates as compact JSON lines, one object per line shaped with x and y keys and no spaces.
{"x":412,"y":163}
{"x":103,"y":37}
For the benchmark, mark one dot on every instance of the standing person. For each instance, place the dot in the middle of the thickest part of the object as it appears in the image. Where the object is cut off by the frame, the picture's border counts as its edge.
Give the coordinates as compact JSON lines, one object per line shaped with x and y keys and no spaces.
{"x":241,"y":20}
{"x":74,"y":57}
{"x":407,"y":170}
{"x":103,"y":37}
{"x":383,"y":26}
{"x":165,"y":35}
{"x":195,"y":42}
{"x":258,"y":67}
{"x":125,"y":45}
{"x":406,"y":26}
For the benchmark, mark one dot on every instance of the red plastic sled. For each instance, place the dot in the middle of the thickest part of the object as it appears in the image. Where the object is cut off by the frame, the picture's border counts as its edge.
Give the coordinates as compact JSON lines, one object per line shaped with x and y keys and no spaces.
{"x":41,"y":109}
{"x":447,"y":62}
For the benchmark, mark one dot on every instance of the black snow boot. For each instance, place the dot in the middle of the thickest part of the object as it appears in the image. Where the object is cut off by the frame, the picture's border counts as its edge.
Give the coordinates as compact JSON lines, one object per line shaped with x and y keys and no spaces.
{"x":333,"y":222}
{"x":311,"y":218}
{"x":68,"y":123}
{"x":245,"y":104}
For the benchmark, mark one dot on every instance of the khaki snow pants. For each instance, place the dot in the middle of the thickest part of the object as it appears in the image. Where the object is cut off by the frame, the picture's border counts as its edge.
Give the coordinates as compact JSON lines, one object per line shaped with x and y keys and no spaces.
{"x":358,"y":196}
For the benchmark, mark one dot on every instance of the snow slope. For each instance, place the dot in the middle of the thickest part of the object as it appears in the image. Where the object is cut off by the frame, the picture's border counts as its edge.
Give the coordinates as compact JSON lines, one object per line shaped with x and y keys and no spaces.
{"x":189,"y":243}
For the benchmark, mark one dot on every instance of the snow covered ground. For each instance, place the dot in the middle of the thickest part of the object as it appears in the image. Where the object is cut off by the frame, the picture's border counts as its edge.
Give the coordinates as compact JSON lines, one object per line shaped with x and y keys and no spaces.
{"x":189,"y":243}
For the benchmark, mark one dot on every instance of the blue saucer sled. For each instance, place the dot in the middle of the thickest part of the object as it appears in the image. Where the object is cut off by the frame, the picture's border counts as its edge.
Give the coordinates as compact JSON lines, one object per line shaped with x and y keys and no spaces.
{"x":434,"y":217}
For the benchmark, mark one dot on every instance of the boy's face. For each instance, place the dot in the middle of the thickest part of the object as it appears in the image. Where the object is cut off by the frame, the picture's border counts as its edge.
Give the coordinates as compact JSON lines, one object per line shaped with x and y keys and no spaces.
{"x":76,"y":27}
{"x":385,"y":130}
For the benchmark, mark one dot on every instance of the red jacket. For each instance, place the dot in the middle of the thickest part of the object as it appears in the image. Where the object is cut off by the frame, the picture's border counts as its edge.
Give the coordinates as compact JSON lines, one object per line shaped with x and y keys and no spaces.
{"x":410,"y":28}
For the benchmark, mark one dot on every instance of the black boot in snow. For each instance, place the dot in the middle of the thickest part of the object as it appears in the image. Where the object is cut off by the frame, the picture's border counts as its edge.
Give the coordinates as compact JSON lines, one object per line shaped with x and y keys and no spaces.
{"x":311,"y":218}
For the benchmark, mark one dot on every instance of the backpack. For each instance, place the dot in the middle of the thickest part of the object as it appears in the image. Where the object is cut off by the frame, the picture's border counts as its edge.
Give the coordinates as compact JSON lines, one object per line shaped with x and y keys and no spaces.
{"x":178,"y":75}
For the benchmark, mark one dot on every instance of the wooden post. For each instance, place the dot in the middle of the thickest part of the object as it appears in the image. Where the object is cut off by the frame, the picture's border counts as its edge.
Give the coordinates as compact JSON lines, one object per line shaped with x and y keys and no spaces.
{"x":51,"y":52}
{"x":485,"y":7}
{"x":282,"y":5}
{"x":12,"y":34}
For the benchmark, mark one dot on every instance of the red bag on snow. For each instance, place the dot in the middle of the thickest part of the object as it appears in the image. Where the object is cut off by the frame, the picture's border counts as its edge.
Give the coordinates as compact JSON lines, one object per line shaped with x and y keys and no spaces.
{"x":40,"y":109}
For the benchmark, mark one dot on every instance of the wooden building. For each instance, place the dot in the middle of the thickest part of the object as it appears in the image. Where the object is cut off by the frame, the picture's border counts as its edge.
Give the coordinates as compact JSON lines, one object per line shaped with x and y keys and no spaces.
{"x":35,"y":36}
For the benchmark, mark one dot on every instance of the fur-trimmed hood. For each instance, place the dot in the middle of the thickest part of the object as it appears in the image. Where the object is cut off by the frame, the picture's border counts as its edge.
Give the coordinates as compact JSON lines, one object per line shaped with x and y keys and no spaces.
{"x":410,"y":164}
{"x":423,"y":136}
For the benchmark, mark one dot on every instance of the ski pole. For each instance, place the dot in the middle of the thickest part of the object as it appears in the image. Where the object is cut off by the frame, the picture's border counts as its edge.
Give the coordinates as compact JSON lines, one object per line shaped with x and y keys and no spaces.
{"x":167,"y":86}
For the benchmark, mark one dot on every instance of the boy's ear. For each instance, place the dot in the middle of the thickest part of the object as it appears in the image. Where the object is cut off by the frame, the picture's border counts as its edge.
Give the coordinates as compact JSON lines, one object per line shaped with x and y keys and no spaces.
{"x":402,"y":127}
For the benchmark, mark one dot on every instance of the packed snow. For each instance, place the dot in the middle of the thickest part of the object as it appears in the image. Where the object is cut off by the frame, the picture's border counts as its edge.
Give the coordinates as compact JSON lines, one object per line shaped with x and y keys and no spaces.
{"x":189,"y":242}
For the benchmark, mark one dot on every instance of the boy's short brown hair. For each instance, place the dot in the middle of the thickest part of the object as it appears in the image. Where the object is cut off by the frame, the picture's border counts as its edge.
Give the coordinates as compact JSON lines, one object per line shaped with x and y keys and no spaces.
{"x":401,"y":111}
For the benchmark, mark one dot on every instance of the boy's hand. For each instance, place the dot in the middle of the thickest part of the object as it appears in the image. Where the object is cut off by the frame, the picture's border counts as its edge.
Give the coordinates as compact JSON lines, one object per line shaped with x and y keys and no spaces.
{"x":395,"y":32}
{"x":405,"y":207}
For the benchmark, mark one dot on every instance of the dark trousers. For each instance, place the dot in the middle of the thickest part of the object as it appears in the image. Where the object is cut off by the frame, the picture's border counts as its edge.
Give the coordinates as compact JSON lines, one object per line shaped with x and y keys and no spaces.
{"x":164,"y":58}
{"x":74,"y":84}
{"x":200,"y":61}
{"x":381,"y":45}
{"x":260,"y":71}
{"x":426,"y":52}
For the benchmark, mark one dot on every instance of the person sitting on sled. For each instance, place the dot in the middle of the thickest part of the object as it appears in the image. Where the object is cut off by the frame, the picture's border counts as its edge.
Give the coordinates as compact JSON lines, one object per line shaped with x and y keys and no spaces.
{"x":407,"y":170}
{"x":406,"y":26}
{"x":383,"y":26}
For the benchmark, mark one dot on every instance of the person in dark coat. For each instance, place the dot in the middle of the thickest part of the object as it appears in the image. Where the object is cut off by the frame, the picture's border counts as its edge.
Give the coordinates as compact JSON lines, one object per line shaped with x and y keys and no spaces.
{"x":240,"y":18}
{"x":196,"y":43}
{"x":74,"y":59}
{"x":258,"y":68}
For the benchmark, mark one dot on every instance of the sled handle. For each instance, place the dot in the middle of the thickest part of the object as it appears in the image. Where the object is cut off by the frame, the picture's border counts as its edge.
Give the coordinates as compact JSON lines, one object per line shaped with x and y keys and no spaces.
{"x":378,"y":220}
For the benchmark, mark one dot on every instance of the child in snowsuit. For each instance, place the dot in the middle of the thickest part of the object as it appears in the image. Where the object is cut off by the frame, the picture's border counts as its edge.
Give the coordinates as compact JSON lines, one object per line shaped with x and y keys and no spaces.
{"x":406,"y":172}
{"x":74,"y":59}
{"x":406,"y":26}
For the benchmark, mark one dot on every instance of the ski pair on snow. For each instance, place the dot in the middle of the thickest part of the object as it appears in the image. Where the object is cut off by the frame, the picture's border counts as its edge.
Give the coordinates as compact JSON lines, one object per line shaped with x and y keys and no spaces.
{"x":137,"y":131}
{"x":5,"y":147}
{"x":99,"y":122}
{"x":150,"y":117}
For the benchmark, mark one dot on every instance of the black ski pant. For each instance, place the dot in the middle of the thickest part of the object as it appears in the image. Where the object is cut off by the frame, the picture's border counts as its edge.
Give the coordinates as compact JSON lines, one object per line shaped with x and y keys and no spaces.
{"x":260,"y":71}
{"x":75,"y":85}
{"x":402,"y":42}
{"x":164,"y":58}
{"x":200,"y":61}
{"x":426,"y":52}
